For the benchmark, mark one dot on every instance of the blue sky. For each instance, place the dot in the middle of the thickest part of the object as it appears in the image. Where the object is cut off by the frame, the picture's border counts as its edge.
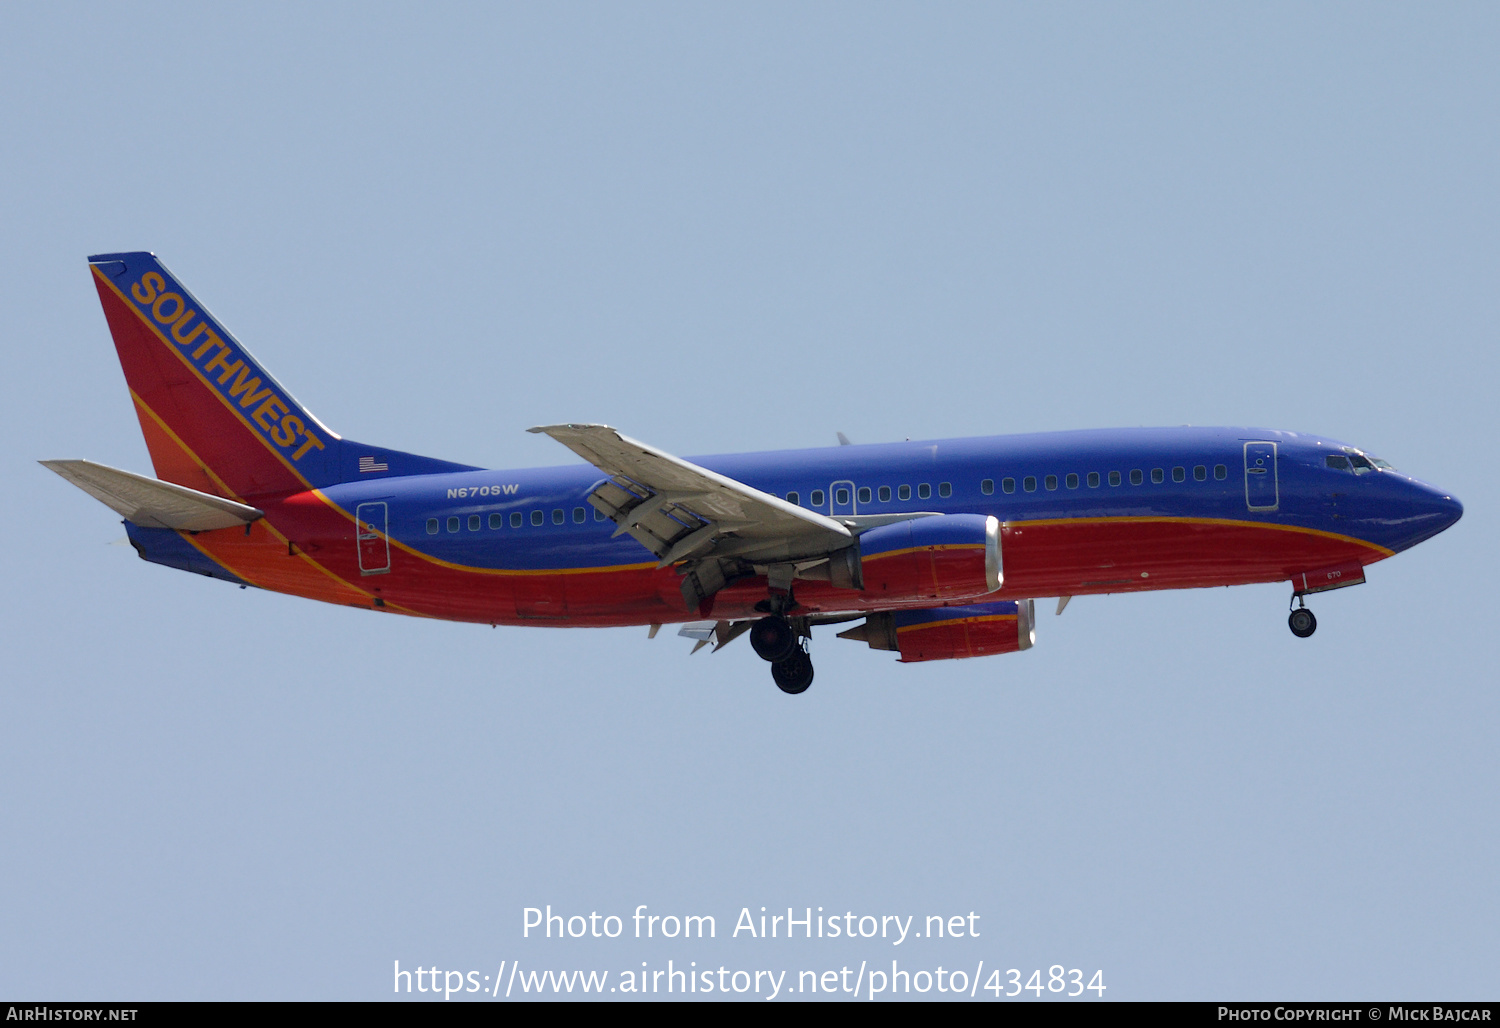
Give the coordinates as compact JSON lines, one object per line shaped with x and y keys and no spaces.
{"x":727,"y":229}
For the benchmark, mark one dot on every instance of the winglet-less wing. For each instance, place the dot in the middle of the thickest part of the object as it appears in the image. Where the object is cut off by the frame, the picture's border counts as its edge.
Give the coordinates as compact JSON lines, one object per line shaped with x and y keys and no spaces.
{"x":151,"y":503}
{"x":685,"y":513}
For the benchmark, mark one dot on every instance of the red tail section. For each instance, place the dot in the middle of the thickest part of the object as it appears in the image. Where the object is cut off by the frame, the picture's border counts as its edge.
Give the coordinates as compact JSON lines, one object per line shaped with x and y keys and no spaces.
{"x":214,"y":420}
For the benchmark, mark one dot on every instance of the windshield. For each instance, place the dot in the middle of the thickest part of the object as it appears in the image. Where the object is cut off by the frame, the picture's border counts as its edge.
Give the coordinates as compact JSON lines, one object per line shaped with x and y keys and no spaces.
{"x":1359,"y":463}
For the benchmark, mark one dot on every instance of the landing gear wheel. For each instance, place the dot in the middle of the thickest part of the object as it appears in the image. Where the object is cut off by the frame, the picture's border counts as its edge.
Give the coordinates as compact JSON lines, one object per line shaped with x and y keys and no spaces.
{"x":1302,"y":622}
{"x":794,"y":674}
{"x":772,"y":639}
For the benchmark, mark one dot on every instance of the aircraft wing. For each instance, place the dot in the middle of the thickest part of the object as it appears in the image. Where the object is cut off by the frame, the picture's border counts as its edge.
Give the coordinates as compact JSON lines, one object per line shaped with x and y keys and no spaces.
{"x":684,"y":513}
{"x":151,"y":503}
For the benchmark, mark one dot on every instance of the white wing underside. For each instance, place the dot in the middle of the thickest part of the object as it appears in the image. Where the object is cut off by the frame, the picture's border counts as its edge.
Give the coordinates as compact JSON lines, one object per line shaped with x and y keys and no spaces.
{"x":711,"y":524}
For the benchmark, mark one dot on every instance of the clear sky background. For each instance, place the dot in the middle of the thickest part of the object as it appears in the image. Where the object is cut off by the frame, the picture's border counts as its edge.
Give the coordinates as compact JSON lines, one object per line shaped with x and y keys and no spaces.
{"x":727,"y":228}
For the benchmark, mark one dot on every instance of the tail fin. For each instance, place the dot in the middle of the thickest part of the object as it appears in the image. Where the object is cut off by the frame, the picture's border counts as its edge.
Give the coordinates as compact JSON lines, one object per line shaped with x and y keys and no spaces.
{"x":214,"y":419}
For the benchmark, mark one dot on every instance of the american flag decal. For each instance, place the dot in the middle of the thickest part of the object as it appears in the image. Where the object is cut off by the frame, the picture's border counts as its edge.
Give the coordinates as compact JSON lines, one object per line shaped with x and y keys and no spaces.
{"x":368,"y":464}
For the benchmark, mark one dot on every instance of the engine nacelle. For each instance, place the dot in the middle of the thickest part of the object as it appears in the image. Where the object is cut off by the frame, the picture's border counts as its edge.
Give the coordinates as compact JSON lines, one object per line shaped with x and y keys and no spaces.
{"x":945,"y":557}
{"x":950,"y":633}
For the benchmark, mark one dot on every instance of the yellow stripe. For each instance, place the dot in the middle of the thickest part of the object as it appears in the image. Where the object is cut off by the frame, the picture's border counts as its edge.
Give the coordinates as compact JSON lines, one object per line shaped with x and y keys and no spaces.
{"x":955,"y":621}
{"x":1234,"y":522}
{"x":230,"y":493}
{"x":488,"y":571}
{"x":923,"y":549}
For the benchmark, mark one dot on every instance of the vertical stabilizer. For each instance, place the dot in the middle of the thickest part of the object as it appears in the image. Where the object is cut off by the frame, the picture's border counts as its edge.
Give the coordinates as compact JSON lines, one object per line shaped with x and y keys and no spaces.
{"x":213,"y":418}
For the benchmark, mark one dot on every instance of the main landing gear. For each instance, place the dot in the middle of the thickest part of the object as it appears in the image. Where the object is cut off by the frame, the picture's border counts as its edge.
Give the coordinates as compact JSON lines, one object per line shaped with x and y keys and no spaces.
{"x":1301,"y":620}
{"x":774,"y":639}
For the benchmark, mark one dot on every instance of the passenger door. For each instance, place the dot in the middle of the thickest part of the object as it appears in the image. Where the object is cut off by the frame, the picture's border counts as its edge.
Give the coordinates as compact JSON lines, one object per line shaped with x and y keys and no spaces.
{"x":1261,"y":488}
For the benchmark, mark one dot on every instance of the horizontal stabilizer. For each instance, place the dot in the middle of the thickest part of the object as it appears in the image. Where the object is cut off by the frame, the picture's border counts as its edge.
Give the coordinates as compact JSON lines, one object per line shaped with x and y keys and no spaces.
{"x":151,"y":503}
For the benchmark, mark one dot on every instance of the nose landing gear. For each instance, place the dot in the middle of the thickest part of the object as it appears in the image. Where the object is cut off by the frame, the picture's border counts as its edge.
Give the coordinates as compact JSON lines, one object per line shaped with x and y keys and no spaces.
{"x":774,"y":639}
{"x":1301,"y":620}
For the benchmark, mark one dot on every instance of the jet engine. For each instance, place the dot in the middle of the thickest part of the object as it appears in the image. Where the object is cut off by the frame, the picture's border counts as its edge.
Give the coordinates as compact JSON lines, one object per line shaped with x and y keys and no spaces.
{"x":949,"y":556}
{"x":950,"y":633}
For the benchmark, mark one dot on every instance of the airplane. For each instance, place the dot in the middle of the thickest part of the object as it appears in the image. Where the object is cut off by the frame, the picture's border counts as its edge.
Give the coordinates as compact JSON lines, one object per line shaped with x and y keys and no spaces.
{"x":938,"y":549}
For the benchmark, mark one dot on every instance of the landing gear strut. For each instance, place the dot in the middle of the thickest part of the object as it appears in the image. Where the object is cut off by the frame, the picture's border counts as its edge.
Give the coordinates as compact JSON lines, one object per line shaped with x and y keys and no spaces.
{"x":774,"y":639}
{"x":1301,"y":620}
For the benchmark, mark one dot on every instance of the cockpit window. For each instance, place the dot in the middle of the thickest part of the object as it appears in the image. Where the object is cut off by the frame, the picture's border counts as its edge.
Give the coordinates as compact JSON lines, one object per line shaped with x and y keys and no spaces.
{"x":1362,"y":462}
{"x":1337,"y":460}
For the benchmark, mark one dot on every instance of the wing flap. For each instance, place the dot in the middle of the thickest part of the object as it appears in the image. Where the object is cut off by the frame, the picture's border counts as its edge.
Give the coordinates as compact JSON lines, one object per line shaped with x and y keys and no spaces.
{"x":680,"y":511}
{"x":151,"y":503}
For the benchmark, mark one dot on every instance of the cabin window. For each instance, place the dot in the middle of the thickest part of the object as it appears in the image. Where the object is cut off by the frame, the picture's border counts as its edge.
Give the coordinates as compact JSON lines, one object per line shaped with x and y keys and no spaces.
{"x":1114,"y":478}
{"x":1137,"y":477}
{"x":432,"y":526}
{"x":987,"y":487}
{"x":1200,"y":473}
{"x":473,"y":522}
{"x":945,"y":489}
{"x":794,"y":499}
{"x":924,"y":491}
{"x":864,"y":494}
{"x":1093,"y":480}
{"x":1158,"y":476}
{"x":1337,"y":460}
{"x":841,"y":497}
{"x":816,"y":497}
{"x":885,"y":494}
{"x":1029,"y":483}
{"x":537,"y":517}
{"x":558,"y":517}
{"x":515,"y":519}
{"x":598,"y":514}
{"x":1071,"y":481}
{"x":1051,"y":482}
{"x":497,"y":520}
{"x":904,"y":493}
{"x":1008,"y":484}
{"x":453,"y":524}
{"x":579,"y":515}
{"x":1221,"y":472}
{"x":1179,"y":474}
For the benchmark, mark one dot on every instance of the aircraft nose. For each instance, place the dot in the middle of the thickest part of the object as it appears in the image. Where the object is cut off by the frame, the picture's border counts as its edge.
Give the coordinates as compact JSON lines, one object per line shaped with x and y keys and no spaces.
{"x":1443,"y":507}
{"x":1453,"y":510}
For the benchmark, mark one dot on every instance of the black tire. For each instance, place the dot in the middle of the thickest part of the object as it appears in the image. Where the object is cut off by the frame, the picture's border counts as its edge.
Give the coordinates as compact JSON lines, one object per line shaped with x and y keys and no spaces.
{"x":794,"y":674}
{"x":773,"y":639}
{"x":1302,"y":622}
